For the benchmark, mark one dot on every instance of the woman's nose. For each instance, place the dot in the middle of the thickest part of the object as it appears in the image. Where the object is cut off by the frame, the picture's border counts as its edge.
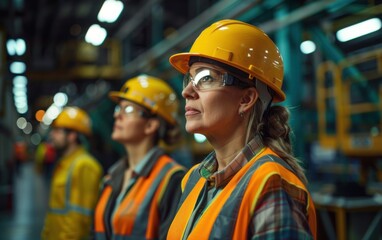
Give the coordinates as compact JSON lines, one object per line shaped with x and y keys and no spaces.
{"x":189,"y":91}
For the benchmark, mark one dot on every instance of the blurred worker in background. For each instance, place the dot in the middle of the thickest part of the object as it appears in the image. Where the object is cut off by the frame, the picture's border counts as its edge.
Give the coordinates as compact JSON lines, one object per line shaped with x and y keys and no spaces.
{"x":45,"y":157}
{"x":251,"y":186}
{"x":20,"y":154}
{"x":141,"y":191}
{"x":75,"y":181}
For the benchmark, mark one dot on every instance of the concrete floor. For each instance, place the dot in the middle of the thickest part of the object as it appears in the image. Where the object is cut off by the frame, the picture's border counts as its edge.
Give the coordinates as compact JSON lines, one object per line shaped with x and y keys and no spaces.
{"x":25,"y":219}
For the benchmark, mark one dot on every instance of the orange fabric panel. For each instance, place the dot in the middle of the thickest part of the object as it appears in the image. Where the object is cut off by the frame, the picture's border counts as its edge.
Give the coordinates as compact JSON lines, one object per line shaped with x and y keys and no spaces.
{"x":100,"y":209}
{"x":187,"y":176}
{"x":124,"y":218}
{"x":153,"y":223}
{"x":312,"y":218}
{"x":203,"y":228}
{"x":179,"y":223}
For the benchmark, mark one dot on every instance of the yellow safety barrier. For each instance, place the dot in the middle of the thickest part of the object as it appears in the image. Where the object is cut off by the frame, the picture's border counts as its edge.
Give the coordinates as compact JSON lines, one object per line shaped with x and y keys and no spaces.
{"x":356,"y":124}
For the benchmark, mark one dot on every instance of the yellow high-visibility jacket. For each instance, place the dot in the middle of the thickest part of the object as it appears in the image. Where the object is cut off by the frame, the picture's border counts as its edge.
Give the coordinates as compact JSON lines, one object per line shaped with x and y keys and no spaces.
{"x":74,"y":193}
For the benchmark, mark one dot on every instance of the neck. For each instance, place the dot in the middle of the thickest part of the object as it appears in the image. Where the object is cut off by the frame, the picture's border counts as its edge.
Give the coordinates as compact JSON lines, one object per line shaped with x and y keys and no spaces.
{"x":227,"y":150}
{"x":70,"y":149}
{"x":136,"y":152}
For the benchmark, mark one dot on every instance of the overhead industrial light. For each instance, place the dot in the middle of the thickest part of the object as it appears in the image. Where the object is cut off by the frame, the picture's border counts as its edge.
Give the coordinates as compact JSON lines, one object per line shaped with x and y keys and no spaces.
{"x":16,"y":47}
{"x":20,"y":80}
{"x":51,"y":113}
{"x":60,"y":99}
{"x":359,"y":29}
{"x":95,"y":35}
{"x":307,"y":47}
{"x":20,"y":97}
{"x":110,"y":11}
{"x":199,"y":138}
{"x":17,"y":67}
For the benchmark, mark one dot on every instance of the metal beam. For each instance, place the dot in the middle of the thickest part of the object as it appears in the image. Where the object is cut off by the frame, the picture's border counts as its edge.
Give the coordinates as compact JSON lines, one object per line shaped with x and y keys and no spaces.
{"x":233,"y":9}
{"x":185,"y":35}
{"x":302,"y":13}
{"x":135,"y":20}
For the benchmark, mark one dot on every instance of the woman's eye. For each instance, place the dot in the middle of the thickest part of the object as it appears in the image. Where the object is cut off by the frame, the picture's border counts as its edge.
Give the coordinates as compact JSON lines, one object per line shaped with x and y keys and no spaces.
{"x":206,"y":79}
{"x":129,"y":109}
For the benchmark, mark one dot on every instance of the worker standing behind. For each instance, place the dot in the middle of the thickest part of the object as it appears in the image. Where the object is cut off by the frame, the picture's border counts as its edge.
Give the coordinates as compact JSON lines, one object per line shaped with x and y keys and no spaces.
{"x":141,"y":191}
{"x":251,"y":186}
{"x":75,"y":180}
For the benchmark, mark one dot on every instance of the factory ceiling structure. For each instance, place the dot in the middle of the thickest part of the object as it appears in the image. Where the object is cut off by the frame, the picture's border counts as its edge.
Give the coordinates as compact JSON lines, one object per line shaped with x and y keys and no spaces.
{"x":56,"y":53}
{"x":146,"y":33}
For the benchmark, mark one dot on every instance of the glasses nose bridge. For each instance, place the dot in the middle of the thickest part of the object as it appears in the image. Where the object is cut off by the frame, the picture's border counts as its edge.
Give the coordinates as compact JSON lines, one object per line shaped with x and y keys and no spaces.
{"x":117,"y":111}
{"x":189,"y":90}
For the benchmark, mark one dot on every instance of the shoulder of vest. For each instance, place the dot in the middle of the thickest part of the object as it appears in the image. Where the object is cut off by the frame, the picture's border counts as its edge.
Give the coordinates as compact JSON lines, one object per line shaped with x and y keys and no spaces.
{"x":284,"y":172}
{"x":85,"y":160}
{"x":192,"y":171}
{"x":116,"y":167}
{"x":273,"y":157}
{"x":174,"y":164}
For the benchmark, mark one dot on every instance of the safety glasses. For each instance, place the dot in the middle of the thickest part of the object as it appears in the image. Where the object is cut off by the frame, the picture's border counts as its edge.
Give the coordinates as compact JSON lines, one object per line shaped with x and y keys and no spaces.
{"x":209,"y":79}
{"x":131,"y":110}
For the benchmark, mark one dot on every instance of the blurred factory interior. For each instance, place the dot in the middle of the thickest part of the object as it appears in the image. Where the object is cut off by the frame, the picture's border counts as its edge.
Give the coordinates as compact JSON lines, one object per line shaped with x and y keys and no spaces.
{"x":333,"y":83}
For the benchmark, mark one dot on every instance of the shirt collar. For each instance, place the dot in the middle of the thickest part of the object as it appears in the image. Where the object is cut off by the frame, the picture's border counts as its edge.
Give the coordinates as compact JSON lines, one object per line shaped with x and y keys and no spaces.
{"x":208,"y":168}
{"x":145,"y":166}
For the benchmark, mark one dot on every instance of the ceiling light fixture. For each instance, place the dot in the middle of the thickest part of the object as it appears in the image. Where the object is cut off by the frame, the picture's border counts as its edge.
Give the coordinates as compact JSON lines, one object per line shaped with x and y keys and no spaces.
{"x":17,"y":67}
{"x":359,"y":29}
{"x":16,"y":47}
{"x":110,"y":11}
{"x":95,"y":35}
{"x":307,"y":47}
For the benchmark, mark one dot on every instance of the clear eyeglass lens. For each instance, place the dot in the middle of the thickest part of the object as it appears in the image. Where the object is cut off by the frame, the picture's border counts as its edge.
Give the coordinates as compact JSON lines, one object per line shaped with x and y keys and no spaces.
{"x":205,"y":78}
{"x":125,"y":110}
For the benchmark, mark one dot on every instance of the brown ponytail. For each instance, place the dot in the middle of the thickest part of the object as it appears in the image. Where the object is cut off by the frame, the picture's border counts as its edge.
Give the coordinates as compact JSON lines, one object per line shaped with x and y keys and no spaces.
{"x":275,"y":132}
{"x":172,"y":134}
{"x":168,"y":133}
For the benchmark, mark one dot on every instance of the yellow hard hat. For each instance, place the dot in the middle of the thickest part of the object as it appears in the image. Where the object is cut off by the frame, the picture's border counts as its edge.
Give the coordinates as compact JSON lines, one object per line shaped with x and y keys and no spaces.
{"x":152,"y":93}
{"x":239,"y":45}
{"x":75,"y":119}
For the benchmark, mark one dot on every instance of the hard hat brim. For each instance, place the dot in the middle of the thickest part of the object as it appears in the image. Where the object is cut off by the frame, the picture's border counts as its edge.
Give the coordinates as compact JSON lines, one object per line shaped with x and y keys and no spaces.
{"x":116,"y":96}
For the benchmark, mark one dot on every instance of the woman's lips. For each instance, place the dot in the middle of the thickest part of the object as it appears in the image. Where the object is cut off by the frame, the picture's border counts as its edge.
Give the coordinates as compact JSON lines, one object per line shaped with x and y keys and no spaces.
{"x":116,"y":127}
{"x":191,"y":111}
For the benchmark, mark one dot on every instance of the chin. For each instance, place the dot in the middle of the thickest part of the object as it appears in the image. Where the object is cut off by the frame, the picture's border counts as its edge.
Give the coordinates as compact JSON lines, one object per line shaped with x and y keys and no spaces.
{"x":115,"y":137}
{"x":193,"y":129}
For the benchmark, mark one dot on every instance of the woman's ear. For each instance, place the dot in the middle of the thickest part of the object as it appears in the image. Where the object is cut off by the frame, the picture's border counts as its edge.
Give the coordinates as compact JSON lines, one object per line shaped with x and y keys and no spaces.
{"x":72,"y":136}
{"x":248,"y":99}
{"x":152,"y":126}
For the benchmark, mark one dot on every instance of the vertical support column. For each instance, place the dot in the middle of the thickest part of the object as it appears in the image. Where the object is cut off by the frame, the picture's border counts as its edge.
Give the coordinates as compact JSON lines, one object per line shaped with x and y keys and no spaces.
{"x":126,"y":50}
{"x":341,"y":223}
{"x":156,"y":23}
{"x":288,"y":40}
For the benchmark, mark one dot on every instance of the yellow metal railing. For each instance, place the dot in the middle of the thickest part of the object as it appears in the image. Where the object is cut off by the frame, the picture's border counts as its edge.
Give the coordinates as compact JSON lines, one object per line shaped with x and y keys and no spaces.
{"x":357,"y":123}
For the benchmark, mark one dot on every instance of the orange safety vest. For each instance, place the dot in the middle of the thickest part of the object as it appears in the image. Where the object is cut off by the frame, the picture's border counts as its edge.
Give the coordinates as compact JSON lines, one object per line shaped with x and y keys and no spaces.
{"x":137,"y":216}
{"x":239,"y":197}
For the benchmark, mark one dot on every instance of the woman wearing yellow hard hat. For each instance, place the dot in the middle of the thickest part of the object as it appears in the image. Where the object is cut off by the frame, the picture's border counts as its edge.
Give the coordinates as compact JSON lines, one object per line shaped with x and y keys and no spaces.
{"x":140,"y":192}
{"x":251,"y":186}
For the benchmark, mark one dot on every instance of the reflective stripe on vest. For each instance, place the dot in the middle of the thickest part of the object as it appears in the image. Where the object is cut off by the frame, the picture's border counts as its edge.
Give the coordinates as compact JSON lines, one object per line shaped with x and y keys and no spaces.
{"x":137,"y":215}
{"x":68,"y":205}
{"x":227,"y":216}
